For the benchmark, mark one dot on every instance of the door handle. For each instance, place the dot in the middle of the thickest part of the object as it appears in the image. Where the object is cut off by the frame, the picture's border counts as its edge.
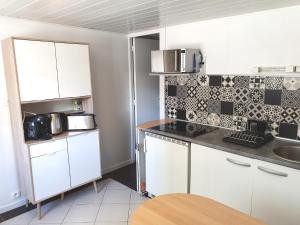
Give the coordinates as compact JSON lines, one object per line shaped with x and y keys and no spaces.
{"x":274,"y":172}
{"x":233,"y":161}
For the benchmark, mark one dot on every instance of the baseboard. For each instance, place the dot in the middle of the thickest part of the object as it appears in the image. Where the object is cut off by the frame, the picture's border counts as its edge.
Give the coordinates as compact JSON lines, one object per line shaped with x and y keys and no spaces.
{"x":13,"y":205}
{"x":117,"y":166}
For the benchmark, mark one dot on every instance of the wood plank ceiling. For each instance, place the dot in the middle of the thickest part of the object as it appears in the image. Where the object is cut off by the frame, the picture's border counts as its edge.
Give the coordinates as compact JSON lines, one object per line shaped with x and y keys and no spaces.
{"x":127,"y":16}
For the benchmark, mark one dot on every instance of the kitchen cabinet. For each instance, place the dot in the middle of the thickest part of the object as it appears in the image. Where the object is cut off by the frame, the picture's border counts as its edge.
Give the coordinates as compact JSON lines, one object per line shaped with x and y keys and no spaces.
{"x":84,"y":158}
{"x":36,"y":68}
{"x":276,"y":195}
{"x":222,"y":176}
{"x":166,"y":165}
{"x":73,"y":67}
{"x":50,"y":169}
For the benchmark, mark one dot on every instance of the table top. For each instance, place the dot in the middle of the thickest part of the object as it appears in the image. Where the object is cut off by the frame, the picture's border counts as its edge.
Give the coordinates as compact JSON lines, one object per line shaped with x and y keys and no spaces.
{"x":186,"y":209}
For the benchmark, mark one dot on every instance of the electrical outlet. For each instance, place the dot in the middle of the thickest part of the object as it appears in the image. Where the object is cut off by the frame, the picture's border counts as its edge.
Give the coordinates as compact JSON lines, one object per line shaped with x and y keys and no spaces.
{"x":16,"y":194}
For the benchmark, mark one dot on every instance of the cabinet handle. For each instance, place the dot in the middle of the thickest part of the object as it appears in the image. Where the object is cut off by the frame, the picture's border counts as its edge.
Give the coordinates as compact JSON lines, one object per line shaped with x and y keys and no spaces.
{"x":274,"y":172}
{"x":238,"y":162}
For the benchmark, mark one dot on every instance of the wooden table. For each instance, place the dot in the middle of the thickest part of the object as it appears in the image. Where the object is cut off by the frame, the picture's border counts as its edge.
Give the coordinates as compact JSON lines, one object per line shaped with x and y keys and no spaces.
{"x":185,"y":209}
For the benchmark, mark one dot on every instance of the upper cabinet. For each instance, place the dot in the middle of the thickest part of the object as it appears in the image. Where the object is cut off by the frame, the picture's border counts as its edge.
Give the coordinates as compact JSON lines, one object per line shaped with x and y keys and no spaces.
{"x":48,"y":70}
{"x":36,"y":67}
{"x":73,"y":67}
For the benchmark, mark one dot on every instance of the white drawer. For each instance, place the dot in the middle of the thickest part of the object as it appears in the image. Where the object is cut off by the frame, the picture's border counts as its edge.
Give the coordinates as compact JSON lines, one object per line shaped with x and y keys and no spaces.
{"x":48,"y":148}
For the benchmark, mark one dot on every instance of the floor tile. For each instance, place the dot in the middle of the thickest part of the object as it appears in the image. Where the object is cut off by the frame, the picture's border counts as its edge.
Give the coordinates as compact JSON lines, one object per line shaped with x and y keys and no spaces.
{"x":111,"y":223}
{"x":53,"y":212}
{"x":113,"y":212}
{"x":112,"y":184}
{"x":137,"y":198}
{"x":67,"y":223}
{"x":132,"y":208}
{"x":24,"y":218}
{"x":117,"y":196}
{"x":89,"y":196}
{"x":82,"y":213}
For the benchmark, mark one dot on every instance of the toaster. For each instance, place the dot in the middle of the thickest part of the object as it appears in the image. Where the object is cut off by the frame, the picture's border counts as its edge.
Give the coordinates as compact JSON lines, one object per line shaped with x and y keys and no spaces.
{"x":80,"y":121}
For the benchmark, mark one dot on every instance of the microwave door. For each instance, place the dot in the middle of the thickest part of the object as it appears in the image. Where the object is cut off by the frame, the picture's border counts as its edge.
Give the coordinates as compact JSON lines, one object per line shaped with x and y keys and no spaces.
{"x":171,"y":61}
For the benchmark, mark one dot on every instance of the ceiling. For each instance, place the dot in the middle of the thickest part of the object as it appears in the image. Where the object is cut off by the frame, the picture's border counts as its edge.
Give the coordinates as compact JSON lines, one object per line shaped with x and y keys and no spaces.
{"x":127,"y":16}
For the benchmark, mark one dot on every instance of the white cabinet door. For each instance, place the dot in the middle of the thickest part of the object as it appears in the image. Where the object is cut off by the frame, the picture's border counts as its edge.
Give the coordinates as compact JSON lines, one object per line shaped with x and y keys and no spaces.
{"x":224,"y":177}
{"x":276,"y":195}
{"x":50,"y":172}
{"x":84,"y":158}
{"x":73,"y":66}
{"x":36,"y":67}
{"x":166,"y":167}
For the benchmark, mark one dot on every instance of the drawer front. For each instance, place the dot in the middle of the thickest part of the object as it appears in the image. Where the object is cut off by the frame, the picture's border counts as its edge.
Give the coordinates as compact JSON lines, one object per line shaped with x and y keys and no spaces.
{"x":48,"y":148}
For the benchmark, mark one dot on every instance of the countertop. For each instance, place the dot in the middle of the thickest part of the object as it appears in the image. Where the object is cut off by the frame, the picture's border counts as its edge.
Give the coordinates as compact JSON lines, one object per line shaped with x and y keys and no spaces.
{"x":214,"y":140}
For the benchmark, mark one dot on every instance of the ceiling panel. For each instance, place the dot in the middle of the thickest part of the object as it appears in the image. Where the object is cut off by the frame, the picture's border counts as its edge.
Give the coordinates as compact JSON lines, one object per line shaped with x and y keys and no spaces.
{"x":127,"y":16}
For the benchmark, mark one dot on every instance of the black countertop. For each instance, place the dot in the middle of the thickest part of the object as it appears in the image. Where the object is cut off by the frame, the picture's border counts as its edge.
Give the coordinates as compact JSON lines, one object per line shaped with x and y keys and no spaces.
{"x":214,"y":140}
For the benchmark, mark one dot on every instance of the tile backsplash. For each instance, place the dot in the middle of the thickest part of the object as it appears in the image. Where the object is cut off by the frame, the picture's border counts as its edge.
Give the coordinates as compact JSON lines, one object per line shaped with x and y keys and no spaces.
{"x":229,"y":101}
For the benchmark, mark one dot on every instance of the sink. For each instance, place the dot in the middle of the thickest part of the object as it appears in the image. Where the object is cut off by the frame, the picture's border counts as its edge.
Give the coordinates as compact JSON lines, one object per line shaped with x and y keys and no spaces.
{"x":290,"y":153}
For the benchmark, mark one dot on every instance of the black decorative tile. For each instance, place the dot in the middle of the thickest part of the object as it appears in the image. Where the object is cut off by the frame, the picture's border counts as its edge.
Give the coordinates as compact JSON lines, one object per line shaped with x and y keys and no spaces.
{"x":257,"y":82}
{"x":203,"y":80}
{"x":203,"y":92}
{"x":171,"y":101}
{"x":215,"y":93}
{"x":202,"y":117}
{"x":215,"y":81}
{"x":239,"y":122}
{"x":242,"y":81}
{"x":172,"y":90}
{"x":273,"y":97}
{"x":191,"y":91}
{"x":290,"y":98}
{"x":213,"y":119}
{"x":191,"y":115}
{"x":291,"y":83}
{"x":172,"y":113}
{"x":191,"y":103}
{"x":241,"y":95}
{"x":226,"y":121}
{"x":181,"y":114}
{"x":182,"y":80}
{"x":181,"y":91}
{"x":202,"y":105}
{"x":228,"y":81}
{"x":214,"y":106}
{"x":255,"y":111}
{"x":257,"y":96}
{"x":239,"y":109}
{"x":227,"y":108}
{"x":227,"y":94}
{"x":290,"y":115}
{"x":287,"y":130}
{"x":273,"y":113}
{"x":181,"y":103}
{"x":274,"y":83}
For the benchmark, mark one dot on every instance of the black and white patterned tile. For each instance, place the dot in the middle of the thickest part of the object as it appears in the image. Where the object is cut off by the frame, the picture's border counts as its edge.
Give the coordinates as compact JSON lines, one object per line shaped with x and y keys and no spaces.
{"x":214,"y":106}
{"x":171,"y":101}
{"x":202,"y":104}
{"x":242,"y":81}
{"x":192,"y":81}
{"x":215,"y":93}
{"x":290,"y":115}
{"x":257,"y":96}
{"x":181,"y":103}
{"x":182,"y":80}
{"x":239,"y":122}
{"x":226,"y":121}
{"x":241,"y":95}
{"x":239,"y":109}
{"x":191,"y":103}
{"x":203,"y":92}
{"x":213,"y":119}
{"x":274,"y":129}
{"x":273,"y":113}
{"x":291,"y":83}
{"x":290,"y":98}
{"x":172,"y":113}
{"x":182,"y":91}
{"x":274,"y":83}
{"x":227,"y":94}
{"x":171,"y":80}
{"x":191,"y":91}
{"x":257,"y":82}
{"x":202,"y":117}
{"x":228,"y":81}
{"x":203,"y":80}
{"x":255,"y":111}
{"x":191,"y":115}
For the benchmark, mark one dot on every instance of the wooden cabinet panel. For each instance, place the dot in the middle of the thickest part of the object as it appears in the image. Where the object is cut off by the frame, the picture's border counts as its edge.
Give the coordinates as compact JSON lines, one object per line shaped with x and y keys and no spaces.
{"x":276,"y":195}
{"x":224,"y":177}
{"x":36,"y":66}
{"x":84,"y":158}
{"x":73,"y":68}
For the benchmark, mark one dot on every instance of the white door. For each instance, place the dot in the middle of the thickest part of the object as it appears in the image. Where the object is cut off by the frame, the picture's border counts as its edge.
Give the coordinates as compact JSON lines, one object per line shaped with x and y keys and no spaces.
{"x":166,"y":166}
{"x":84,"y":158}
{"x":36,"y":67}
{"x":276,"y":195}
{"x":73,"y":67}
{"x":224,"y":177}
{"x":50,"y":171}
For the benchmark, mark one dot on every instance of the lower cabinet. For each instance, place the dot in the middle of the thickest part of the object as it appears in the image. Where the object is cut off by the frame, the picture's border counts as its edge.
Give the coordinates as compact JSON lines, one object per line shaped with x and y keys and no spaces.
{"x":276,"y":194}
{"x":166,"y":165}
{"x":50,"y":169}
{"x":84,"y":158}
{"x":224,"y":177}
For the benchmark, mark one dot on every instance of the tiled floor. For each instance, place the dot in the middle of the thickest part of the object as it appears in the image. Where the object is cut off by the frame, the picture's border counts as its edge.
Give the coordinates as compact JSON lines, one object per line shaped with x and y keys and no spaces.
{"x":113,"y":205}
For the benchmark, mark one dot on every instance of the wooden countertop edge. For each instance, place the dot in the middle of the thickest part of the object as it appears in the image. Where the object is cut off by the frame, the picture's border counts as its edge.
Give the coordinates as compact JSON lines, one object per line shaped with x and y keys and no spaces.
{"x":153,"y":123}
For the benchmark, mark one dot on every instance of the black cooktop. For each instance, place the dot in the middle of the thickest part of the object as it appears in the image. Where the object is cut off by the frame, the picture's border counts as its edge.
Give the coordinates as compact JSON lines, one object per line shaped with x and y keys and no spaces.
{"x":185,"y":129}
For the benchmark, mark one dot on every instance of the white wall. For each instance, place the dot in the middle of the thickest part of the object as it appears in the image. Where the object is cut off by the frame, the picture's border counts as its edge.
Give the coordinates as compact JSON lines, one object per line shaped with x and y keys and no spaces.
{"x":109,"y":62}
